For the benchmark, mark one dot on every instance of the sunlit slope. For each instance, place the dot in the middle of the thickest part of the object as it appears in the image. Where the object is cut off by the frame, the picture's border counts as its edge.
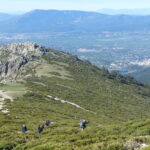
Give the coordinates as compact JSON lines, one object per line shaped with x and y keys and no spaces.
{"x":65,"y":90}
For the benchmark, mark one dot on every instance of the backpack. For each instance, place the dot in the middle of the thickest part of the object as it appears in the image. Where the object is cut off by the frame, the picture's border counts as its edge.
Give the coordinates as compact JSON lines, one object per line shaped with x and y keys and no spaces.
{"x":81,"y":124}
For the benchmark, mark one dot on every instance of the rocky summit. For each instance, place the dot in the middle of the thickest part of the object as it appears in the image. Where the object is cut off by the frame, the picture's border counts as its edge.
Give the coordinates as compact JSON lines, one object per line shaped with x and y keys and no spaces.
{"x":14,"y":57}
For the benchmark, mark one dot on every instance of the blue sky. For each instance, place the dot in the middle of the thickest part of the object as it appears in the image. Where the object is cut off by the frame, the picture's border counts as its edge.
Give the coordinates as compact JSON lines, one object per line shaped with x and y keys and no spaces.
{"x":27,"y":5}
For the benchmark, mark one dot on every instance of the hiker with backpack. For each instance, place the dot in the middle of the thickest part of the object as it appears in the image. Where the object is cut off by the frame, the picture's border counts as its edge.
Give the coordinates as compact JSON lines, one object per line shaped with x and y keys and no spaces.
{"x":40,"y":128}
{"x":83,"y":124}
{"x":47,"y":123}
{"x":24,"y":129}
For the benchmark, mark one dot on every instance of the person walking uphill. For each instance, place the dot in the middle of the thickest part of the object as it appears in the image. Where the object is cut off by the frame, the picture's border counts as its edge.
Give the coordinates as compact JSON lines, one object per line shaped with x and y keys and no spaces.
{"x":24,"y":128}
{"x":40,"y":128}
{"x":83,"y":124}
{"x":47,"y":123}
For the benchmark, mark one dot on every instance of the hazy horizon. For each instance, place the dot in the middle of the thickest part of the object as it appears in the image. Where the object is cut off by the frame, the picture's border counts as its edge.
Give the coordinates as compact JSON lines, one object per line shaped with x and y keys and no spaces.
{"x":98,"y":10}
{"x":84,"y":5}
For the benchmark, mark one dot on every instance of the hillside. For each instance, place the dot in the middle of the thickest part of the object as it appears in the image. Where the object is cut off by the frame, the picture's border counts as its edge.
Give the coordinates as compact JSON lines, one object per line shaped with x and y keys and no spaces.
{"x":4,"y":16}
{"x":39,"y":83}
{"x":73,"y":21}
{"x":142,"y":75}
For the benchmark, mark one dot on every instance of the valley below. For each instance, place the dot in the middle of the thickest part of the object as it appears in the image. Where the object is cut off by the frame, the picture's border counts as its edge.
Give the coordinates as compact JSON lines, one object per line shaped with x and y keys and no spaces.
{"x":116,"y":51}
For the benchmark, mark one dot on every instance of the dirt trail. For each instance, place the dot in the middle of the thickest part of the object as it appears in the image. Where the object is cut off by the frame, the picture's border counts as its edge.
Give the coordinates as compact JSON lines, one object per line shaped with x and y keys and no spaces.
{"x":3,"y":96}
{"x":71,"y":103}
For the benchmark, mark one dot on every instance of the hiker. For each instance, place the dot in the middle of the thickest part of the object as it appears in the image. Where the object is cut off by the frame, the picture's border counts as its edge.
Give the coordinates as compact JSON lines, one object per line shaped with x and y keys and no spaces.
{"x":24,"y":128}
{"x":47,"y":123}
{"x":40,"y":128}
{"x":83,"y":124}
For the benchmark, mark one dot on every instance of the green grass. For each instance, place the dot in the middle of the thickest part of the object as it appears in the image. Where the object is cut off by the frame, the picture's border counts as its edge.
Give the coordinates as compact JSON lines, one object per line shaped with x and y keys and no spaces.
{"x":65,"y":132}
{"x":147,"y":148}
{"x":14,"y":89}
{"x":52,"y":70}
{"x":115,"y":100}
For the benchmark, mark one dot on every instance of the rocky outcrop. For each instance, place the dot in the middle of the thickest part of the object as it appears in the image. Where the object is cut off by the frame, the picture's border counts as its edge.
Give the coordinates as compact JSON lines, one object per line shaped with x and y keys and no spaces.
{"x":24,"y":49}
{"x":15,"y":56}
{"x":19,"y":60}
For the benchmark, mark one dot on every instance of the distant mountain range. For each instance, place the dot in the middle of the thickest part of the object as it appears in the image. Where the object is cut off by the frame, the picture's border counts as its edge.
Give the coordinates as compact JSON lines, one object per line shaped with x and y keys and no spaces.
{"x":144,"y":11}
{"x":73,"y":21}
{"x":4,"y":16}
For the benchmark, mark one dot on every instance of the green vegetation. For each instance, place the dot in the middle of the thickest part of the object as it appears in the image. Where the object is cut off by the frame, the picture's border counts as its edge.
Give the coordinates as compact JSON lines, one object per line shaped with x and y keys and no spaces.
{"x":147,"y":148}
{"x":14,"y":89}
{"x":114,"y":99}
{"x":50,"y":70}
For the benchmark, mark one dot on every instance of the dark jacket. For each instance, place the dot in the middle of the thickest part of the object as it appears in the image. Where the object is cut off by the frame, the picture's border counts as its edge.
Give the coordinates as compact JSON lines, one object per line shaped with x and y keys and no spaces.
{"x":24,"y":129}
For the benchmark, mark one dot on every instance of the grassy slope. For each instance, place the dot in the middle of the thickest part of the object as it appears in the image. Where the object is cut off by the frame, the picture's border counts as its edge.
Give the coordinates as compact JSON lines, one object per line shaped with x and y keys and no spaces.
{"x":14,"y":89}
{"x":89,"y":87}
